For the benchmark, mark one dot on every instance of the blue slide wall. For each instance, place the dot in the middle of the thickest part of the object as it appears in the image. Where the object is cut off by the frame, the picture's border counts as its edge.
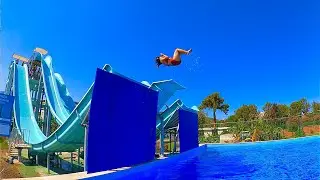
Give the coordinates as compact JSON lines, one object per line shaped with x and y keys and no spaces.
{"x":122,"y":124}
{"x":6,"y":106}
{"x":188,"y":130}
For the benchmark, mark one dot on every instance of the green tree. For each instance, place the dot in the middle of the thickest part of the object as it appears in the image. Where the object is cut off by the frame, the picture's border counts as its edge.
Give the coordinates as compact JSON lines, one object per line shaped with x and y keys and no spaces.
{"x":299,"y":107}
{"x":315,"y":107}
{"x":203,"y":120}
{"x":232,"y":118}
{"x":283,"y":111}
{"x":214,"y":102}
{"x":273,"y":110}
{"x":247,"y":113}
{"x":270,"y":110}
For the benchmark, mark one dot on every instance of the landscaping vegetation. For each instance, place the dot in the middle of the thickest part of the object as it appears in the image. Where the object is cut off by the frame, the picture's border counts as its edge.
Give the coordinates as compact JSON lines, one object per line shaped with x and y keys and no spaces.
{"x":27,"y":168}
{"x":275,"y":121}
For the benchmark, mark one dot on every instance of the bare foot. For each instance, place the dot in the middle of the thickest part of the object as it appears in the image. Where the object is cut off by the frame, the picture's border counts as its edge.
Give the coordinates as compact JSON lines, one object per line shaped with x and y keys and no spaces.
{"x":189,"y":51}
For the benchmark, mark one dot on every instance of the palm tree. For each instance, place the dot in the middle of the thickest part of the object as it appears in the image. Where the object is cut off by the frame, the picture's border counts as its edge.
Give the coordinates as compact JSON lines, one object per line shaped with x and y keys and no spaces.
{"x":214,"y":102}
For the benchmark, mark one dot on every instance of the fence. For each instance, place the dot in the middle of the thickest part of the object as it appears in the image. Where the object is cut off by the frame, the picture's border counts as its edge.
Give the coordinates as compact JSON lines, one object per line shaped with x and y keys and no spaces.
{"x":261,"y":129}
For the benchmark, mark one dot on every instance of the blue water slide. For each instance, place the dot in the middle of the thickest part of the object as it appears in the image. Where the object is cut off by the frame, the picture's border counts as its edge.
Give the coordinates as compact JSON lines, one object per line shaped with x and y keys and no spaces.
{"x":68,"y":137}
{"x":169,"y":116}
{"x":58,"y":97}
{"x":166,"y":89}
{"x":9,"y":80}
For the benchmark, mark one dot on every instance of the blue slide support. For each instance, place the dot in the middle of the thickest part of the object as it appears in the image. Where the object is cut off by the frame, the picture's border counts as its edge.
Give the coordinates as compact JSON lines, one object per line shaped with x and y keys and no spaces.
{"x":122,"y":125}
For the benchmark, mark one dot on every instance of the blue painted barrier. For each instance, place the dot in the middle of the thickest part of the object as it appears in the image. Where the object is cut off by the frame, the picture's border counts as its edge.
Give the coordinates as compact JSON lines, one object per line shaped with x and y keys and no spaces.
{"x":188,"y":129}
{"x":6,"y":105}
{"x":122,"y":124}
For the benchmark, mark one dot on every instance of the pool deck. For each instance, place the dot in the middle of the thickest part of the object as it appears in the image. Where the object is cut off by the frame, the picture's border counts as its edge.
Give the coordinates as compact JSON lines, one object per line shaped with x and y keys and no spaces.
{"x":79,"y":175}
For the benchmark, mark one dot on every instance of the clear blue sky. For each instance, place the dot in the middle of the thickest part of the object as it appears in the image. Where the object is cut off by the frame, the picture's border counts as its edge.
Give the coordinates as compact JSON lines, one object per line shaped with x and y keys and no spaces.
{"x":250,"y":51}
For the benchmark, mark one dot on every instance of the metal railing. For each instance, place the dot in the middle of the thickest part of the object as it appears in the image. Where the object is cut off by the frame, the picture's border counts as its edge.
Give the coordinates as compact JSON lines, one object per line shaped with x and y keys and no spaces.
{"x":16,"y":138}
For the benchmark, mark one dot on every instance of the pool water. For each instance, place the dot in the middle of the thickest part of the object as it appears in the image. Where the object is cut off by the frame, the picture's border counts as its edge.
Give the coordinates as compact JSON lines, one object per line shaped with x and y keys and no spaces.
{"x":284,"y":159}
{"x":288,"y":159}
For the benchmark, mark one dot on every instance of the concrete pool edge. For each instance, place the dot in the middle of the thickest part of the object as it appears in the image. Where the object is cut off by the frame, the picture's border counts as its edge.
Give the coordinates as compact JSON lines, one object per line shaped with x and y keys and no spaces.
{"x":154,"y":164}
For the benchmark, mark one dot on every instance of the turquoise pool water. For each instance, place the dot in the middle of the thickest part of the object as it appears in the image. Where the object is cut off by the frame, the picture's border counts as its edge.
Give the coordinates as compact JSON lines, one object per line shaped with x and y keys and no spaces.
{"x":284,"y":159}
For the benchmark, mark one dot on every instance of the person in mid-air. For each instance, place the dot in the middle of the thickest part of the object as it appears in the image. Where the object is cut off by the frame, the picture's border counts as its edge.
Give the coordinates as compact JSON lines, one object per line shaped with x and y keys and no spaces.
{"x":175,"y":60}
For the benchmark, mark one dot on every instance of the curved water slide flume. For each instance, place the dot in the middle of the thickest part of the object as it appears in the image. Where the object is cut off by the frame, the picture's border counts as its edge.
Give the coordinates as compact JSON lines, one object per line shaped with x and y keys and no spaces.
{"x":65,"y":94}
{"x":58,"y":97}
{"x":23,"y":111}
{"x":68,"y":137}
